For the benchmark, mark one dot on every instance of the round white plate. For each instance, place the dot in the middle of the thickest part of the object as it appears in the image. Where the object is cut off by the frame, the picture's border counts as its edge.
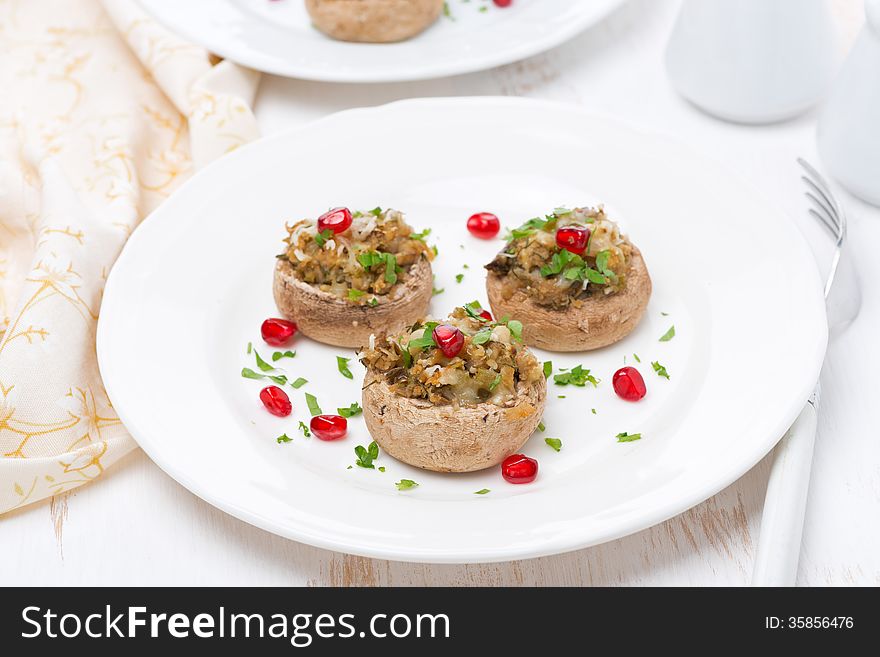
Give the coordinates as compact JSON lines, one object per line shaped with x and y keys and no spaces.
{"x":276,"y":36}
{"x":730,"y":272}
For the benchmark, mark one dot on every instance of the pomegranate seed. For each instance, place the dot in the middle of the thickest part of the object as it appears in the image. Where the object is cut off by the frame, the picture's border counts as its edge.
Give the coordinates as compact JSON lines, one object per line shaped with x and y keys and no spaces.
{"x":329,"y":427}
{"x":502,"y":3}
{"x":337,"y":220}
{"x":276,"y":401}
{"x":519,"y":469}
{"x":277,"y":332}
{"x":449,"y":339}
{"x":629,"y":384}
{"x":484,"y":225}
{"x":573,"y":238}
{"x":485,"y":314}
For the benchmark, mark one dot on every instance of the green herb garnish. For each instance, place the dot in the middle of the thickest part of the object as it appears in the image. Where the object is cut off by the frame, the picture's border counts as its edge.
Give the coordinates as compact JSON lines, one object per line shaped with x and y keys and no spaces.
{"x":459,"y":278}
{"x":420,"y":236}
{"x":636,"y":356}
{"x":299,"y":383}
{"x":577,"y":376}
{"x":248,"y":373}
{"x":482,"y":491}
{"x":263,"y":365}
{"x":283,"y":438}
{"x":495,"y":382}
{"x":355,"y":295}
{"x":406,"y":484}
{"x":555,"y":443}
{"x":516,"y":329}
{"x":660,"y":369}
{"x":250,"y":348}
{"x":304,"y":429}
{"x":669,"y":334}
{"x":548,"y":368}
{"x":351,"y":411}
{"x":628,"y":437}
{"x":482,"y":336}
{"x":278,"y":355}
{"x":342,"y":366}
{"x":541,"y":426}
{"x":312,"y":403}
{"x":322,"y":237}
{"x":366,"y":455}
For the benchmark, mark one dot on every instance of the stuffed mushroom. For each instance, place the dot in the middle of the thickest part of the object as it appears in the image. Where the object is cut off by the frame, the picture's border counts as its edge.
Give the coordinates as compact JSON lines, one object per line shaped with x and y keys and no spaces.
{"x":373,"y":21}
{"x":453,"y":396}
{"x":349,"y":275}
{"x":576,"y":282}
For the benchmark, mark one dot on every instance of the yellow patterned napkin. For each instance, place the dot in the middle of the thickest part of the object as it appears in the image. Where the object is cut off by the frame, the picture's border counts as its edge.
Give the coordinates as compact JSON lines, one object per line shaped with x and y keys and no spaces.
{"x":103,"y":113}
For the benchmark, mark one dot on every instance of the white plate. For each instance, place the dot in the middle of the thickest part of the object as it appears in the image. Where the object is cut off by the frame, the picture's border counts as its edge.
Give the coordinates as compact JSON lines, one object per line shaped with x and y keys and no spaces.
{"x":277,"y":37}
{"x":193,"y":285}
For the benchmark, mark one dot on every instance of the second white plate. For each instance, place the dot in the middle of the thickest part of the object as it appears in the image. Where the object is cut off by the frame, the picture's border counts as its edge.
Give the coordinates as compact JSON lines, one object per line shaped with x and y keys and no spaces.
{"x":730,"y":272}
{"x":277,"y":37}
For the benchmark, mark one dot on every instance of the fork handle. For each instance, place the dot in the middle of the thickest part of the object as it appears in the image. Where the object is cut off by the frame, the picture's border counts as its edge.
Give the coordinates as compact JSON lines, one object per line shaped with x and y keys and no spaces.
{"x":782,"y":522}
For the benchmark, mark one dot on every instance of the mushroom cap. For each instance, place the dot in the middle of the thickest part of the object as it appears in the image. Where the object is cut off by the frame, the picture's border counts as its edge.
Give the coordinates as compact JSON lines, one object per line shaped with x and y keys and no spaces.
{"x":373,"y":21}
{"x":448,"y":439}
{"x":327,"y":318}
{"x":600,"y":321}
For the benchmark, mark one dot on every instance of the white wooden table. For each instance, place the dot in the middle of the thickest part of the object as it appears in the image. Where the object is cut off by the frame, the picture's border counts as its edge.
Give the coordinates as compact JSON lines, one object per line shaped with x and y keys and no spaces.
{"x":138,"y":527}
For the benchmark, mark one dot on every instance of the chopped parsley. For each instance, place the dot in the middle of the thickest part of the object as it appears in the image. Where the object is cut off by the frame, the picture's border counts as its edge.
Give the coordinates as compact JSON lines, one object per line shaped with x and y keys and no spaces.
{"x":666,"y":337}
{"x":381,"y":468}
{"x":366,"y":455}
{"x":406,"y":484}
{"x":248,"y":373}
{"x":574,"y":268}
{"x":555,"y":443}
{"x":515,"y":327}
{"x":541,"y":426}
{"x":427,"y":339}
{"x":636,"y":356}
{"x":278,"y":355}
{"x":482,"y":491}
{"x":250,"y":348}
{"x":482,"y":336}
{"x":628,"y":437}
{"x":660,"y":369}
{"x":351,"y":411}
{"x":664,"y":314}
{"x":495,"y":382}
{"x":420,"y":236}
{"x":548,"y":368}
{"x":263,"y":365}
{"x":354,"y":295}
{"x":373,"y":302}
{"x":593,"y":411}
{"x":528,"y":228}
{"x":577,"y":376}
{"x":369,"y":259}
{"x":322,"y":237}
{"x":459,"y":278}
{"x":435,"y":291}
{"x":312,"y":403}
{"x":299,"y":383}
{"x":342,"y":366}
{"x":283,"y":438}
{"x":305,"y":430}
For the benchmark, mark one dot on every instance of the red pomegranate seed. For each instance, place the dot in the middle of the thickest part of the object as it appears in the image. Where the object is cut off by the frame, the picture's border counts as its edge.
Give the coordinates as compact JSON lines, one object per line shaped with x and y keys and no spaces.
{"x":573,"y":238}
{"x":629,"y":384}
{"x":502,"y":3}
{"x":337,"y":220}
{"x":485,"y":314}
{"x":329,"y":427}
{"x":277,"y":332}
{"x":484,"y":225}
{"x":449,"y":339}
{"x":519,"y":469}
{"x":276,"y":401}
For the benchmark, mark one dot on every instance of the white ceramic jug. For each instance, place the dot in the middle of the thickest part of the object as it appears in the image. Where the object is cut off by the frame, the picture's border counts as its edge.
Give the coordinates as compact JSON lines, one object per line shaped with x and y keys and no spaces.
{"x":849,"y":125}
{"x":752,"y":61}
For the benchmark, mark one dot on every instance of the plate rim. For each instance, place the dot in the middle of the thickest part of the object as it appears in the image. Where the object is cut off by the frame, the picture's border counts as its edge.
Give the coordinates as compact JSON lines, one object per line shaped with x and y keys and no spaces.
{"x":619,"y":527}
{"x":438,"y":70}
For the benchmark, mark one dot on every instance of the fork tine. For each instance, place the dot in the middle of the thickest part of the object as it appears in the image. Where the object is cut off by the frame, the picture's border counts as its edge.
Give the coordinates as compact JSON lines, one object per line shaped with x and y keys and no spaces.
{"x":827,"y":215}
{"x":818,"y":180}
{"x":824,"y":221}
{"x":826,"y":203}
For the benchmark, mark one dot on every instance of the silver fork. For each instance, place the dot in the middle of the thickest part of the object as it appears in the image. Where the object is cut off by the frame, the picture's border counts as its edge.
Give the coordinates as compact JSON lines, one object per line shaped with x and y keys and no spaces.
{"x":782,"y":521}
